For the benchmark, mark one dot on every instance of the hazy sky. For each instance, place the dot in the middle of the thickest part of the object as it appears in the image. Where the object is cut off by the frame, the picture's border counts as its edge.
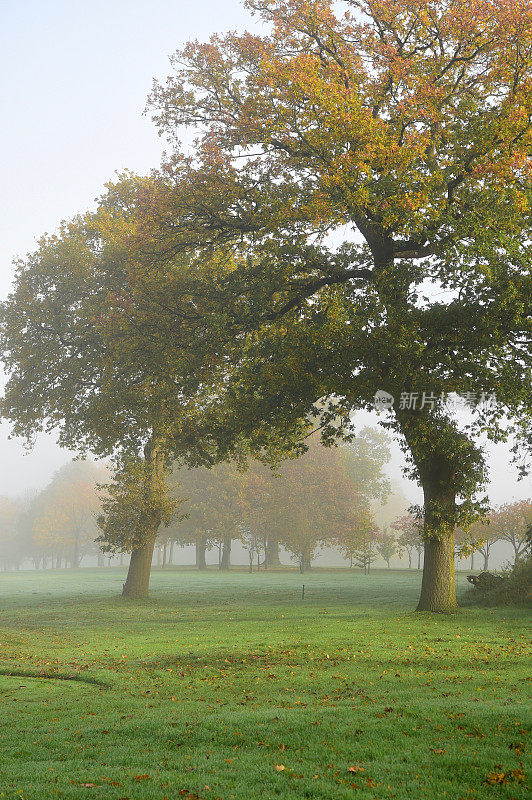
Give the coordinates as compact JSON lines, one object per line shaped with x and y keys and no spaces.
{"x":74,"y":81}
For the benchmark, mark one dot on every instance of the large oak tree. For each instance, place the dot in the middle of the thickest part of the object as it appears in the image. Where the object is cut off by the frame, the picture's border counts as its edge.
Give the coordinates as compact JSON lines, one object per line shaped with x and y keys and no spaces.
{"x":370,"y":173}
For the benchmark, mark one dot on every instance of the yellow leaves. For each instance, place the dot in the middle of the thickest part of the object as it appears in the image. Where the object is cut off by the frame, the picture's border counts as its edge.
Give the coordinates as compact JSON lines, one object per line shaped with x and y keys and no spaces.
{"x":499,"y":778}
{"x":356,"y":768}
{"x":279,"y":767}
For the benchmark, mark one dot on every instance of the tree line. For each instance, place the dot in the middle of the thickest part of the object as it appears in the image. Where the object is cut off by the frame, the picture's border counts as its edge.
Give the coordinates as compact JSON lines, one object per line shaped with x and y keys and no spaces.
{"x":327,"y":498}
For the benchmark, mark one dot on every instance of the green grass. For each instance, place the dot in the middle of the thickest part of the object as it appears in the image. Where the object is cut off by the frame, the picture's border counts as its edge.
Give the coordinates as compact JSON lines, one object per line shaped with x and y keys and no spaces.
{"x":220,"y":678}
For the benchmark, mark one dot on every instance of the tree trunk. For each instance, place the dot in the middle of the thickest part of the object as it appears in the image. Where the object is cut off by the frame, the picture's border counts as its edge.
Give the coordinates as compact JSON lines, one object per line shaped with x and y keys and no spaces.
{"x":272,"y":553}
{"x":486,"y":559}
{"x":137,"y":583}
{"x":307,"y":563}
{"x":101,"y":562}
{"x":171,"y":556}
{"x":201,"y":546}
{"x":138,"y":576}
{"x":438,"y":592}
{"x":225,"y":562}
{"x":419,"y":558}
{"x":472,"y":561}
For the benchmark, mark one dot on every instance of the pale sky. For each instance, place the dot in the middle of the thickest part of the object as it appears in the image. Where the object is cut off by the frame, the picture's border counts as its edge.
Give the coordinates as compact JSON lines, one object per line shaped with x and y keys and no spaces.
{"x":74,"y":80}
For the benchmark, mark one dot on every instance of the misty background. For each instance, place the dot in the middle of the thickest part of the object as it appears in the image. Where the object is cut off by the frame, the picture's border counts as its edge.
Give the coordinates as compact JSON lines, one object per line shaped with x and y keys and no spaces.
{"x":74,"y":83}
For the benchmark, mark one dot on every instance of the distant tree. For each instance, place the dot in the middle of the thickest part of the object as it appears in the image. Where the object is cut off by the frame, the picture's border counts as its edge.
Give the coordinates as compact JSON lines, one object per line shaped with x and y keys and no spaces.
{"x":316,"y":501}
{"x":254,"y":544}
{"x":11,"y":545}
{"x":410,"y":536}
{"x":364,"y":458}
{"x":386,"y":545}
{"x":366,"y":554}
{"x":358,"y":530}
{"x":510,"y":522}
{"x":478,"y":538}
{"x":213,"y":505}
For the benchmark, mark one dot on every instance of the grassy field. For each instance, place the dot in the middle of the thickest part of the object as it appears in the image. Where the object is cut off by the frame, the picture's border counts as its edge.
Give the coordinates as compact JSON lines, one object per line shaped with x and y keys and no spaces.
{"x":233,"y":687}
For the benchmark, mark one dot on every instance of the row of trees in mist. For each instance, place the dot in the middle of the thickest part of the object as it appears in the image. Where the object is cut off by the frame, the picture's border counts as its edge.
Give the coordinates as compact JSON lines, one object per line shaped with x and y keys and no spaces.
{"x":322,"y":498}
{"x":57,"y":526}
{"x":326,"y":498}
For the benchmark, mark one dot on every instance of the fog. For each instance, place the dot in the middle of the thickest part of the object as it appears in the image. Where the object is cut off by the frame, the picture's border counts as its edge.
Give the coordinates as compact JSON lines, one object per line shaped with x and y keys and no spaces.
{"x":75,"y":81}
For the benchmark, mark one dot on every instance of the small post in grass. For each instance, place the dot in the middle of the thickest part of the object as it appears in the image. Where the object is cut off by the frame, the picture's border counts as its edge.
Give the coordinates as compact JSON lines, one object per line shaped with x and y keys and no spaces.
{"x":303,"y":593}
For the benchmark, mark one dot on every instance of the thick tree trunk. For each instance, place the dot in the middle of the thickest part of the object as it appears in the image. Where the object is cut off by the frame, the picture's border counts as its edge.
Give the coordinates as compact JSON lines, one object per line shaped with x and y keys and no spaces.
{"x":201,"y":547}
{"x":138,"y":576}
{"x":225,"y":562}
{"x":438,"y":592}
{"x":137,"y":583}
{"x":272,"y":553}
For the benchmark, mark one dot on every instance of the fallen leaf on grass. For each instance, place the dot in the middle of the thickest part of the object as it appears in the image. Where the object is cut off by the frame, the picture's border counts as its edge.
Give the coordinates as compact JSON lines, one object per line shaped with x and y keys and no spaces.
{"x":87,"y":785}
{"x":356,"y":768}
{"x":141,"y":777}
{"x":280,"y":767}
{"x":499,"y":778}
{"x":438,"y":751}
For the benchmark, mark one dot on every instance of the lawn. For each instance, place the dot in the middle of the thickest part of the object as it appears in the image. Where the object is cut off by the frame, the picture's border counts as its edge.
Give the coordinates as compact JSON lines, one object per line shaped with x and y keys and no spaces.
{"x":232,"y":686}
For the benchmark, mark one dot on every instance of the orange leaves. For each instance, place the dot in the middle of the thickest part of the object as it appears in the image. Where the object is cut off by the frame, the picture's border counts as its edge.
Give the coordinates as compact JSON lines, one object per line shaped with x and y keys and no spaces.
{"x":188,"y":795}
{"x":499,"y":778}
